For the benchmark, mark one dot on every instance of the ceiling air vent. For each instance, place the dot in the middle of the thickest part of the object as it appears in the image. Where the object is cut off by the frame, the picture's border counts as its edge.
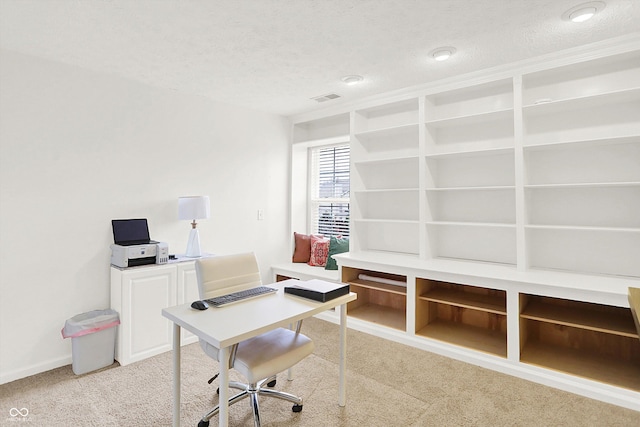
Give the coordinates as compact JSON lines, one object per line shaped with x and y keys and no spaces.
{"x":328,"y":97}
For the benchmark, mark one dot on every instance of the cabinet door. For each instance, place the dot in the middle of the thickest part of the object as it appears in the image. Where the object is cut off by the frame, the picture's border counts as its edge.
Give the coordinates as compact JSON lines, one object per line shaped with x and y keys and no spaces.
{"x":187,"y":293}
{"x":146,"y":293}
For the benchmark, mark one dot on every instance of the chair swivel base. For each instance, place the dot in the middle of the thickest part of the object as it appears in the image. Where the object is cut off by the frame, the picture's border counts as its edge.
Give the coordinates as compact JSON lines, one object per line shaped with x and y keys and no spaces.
{"x":253,"y":391}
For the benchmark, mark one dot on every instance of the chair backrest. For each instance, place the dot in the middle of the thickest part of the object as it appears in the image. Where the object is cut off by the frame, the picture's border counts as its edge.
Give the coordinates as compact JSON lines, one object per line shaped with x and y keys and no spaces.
{"x":221,"y":275}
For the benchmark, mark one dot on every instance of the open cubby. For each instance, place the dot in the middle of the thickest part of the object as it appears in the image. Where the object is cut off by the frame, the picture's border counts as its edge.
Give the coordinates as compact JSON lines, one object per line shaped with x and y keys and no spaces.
{"x":592,"y":250}
{"x":393,"y":141}
{"x":608,"y":160}
{"x":585,"y":206}
{"x":488,"y":168}
{"x":604,"y":116}
{"x":387,"y":116}
{"x":470,"y":118}
{"x":325,"y":128}
{"x":583,"y":79}
{"x":463,"y":315}
{"x":383,"y":204}
{"x":379,"y":303}
{"x":486,"y":242}
{"x":486,"y":205}
{"x":387,"y":236}
{"x":589,"y":340}
{"x":395,"y":173}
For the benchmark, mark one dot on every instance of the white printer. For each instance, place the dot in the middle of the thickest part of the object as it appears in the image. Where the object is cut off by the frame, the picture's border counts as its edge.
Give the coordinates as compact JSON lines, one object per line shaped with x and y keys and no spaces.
{"x":132,"y":245}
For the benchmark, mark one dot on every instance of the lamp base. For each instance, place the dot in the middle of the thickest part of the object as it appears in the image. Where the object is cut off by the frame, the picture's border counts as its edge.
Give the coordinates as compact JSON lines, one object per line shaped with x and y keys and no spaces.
{"x":193,"y":245}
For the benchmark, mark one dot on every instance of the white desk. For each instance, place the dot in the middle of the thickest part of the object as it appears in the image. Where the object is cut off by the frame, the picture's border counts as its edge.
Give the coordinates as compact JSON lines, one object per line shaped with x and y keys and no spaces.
{"x":229,"y":325}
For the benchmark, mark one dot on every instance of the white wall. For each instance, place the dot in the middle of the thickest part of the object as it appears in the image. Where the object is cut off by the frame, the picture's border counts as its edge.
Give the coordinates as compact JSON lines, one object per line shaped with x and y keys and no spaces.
{"x":80,"y":148}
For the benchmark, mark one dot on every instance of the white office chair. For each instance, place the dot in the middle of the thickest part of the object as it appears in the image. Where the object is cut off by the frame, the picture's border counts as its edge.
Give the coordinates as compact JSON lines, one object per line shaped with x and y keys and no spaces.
{"x":258,"y":359}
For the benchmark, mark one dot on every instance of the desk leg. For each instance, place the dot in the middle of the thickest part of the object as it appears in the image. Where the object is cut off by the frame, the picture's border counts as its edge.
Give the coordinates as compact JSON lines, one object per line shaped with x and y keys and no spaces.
{"x":342,"y":390}
{"x":223,"y":383}
{"x":176,"y":375}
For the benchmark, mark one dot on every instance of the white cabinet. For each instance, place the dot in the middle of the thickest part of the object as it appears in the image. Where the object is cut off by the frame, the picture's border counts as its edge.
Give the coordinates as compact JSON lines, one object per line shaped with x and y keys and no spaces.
{"x":139,"y":294}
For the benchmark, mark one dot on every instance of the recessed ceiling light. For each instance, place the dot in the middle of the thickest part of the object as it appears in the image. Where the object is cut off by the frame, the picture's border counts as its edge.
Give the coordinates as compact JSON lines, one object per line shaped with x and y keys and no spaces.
{"x":442,"y":53}
{"x":583,"y":12}
{"x":352,"y":80}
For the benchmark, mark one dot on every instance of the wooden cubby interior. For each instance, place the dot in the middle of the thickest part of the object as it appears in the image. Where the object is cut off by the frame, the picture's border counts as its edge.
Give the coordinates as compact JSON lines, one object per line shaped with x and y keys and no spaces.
{"x":589,"y":340}
{"x":378,"y":303}
{"x":468,"y":316}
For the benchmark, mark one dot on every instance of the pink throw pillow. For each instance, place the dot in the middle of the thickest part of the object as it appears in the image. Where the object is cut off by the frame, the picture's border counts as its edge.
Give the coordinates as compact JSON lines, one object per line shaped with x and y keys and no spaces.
{"x":319,"y":251}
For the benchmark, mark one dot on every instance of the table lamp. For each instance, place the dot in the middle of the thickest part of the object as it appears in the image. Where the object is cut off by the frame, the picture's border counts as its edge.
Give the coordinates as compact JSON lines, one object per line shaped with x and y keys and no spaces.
{"x":192,"y":208}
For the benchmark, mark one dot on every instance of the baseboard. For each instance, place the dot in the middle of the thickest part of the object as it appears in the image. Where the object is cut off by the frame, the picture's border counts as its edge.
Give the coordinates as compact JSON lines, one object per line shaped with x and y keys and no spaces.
{"x":7,"y":377}
{"x":581,"y":386}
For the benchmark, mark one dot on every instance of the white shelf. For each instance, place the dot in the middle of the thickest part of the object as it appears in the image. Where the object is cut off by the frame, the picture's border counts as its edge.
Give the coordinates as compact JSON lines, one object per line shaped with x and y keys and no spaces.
{"x":472,"y":224}
{"x":505,"y":115}
{"x":387,"y":190}
{"x":624,"y":96}
{"x":487,"y":188}
{"x":388,"y":160}
{"x":410,"y":129}
{"x":582,"y":143}
{"x":584,"y":228}
{"x":386,"y":221}
{"x":584,"y":185}
{"x":490,"y":151}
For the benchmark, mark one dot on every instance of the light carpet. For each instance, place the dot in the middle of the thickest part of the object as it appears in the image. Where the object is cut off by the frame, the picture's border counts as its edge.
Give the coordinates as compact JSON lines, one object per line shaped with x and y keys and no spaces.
{"x":388,"y":384}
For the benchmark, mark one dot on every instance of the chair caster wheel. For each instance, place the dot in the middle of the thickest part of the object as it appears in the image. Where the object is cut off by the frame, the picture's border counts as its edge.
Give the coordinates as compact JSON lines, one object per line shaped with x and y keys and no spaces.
{"x":271,"y":383}
{"x":295,"y":408}
{"x":203,"y":423}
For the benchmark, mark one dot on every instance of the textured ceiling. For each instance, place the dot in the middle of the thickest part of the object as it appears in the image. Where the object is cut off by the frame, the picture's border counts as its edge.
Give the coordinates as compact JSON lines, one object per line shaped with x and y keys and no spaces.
{"x":274,"y":55}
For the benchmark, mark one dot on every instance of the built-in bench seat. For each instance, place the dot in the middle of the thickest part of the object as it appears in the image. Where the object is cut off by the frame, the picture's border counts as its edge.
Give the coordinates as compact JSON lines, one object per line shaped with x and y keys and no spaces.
{"x":302,"y":271}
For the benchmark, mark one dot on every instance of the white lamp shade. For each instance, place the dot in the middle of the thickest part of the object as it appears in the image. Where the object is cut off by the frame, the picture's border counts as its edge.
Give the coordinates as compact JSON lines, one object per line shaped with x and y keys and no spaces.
{"x":193,"y":207}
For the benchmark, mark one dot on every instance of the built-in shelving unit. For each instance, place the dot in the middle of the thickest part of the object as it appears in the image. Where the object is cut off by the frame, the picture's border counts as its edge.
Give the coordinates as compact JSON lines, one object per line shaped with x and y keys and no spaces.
{"x":385,"y":178}
{"x":467,"y":316}
{"x":582,"y":162}
{"x":509,"y":203}
{"x":469,"y":164}
{"x":589,"y":340}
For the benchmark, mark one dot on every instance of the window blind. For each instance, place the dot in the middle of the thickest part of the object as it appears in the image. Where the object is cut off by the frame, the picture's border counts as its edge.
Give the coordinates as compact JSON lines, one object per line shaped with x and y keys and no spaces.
{"x":329,"y":201}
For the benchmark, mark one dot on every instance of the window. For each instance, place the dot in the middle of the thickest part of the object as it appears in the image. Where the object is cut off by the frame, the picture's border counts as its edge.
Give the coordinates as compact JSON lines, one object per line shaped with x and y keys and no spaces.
{"x":329,"y":192}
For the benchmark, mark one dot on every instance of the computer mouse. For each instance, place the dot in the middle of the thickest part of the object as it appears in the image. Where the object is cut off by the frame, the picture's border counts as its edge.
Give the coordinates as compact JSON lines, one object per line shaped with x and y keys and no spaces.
{"x":199,"y":305}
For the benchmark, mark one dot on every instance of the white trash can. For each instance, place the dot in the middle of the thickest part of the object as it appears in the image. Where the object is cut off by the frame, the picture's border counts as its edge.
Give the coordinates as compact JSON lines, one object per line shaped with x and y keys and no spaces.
{"x":93,"y":339}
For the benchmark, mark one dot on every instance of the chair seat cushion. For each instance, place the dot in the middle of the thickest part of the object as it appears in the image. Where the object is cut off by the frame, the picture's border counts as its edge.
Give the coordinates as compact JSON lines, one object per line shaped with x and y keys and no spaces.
{"x":268,"y":354}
